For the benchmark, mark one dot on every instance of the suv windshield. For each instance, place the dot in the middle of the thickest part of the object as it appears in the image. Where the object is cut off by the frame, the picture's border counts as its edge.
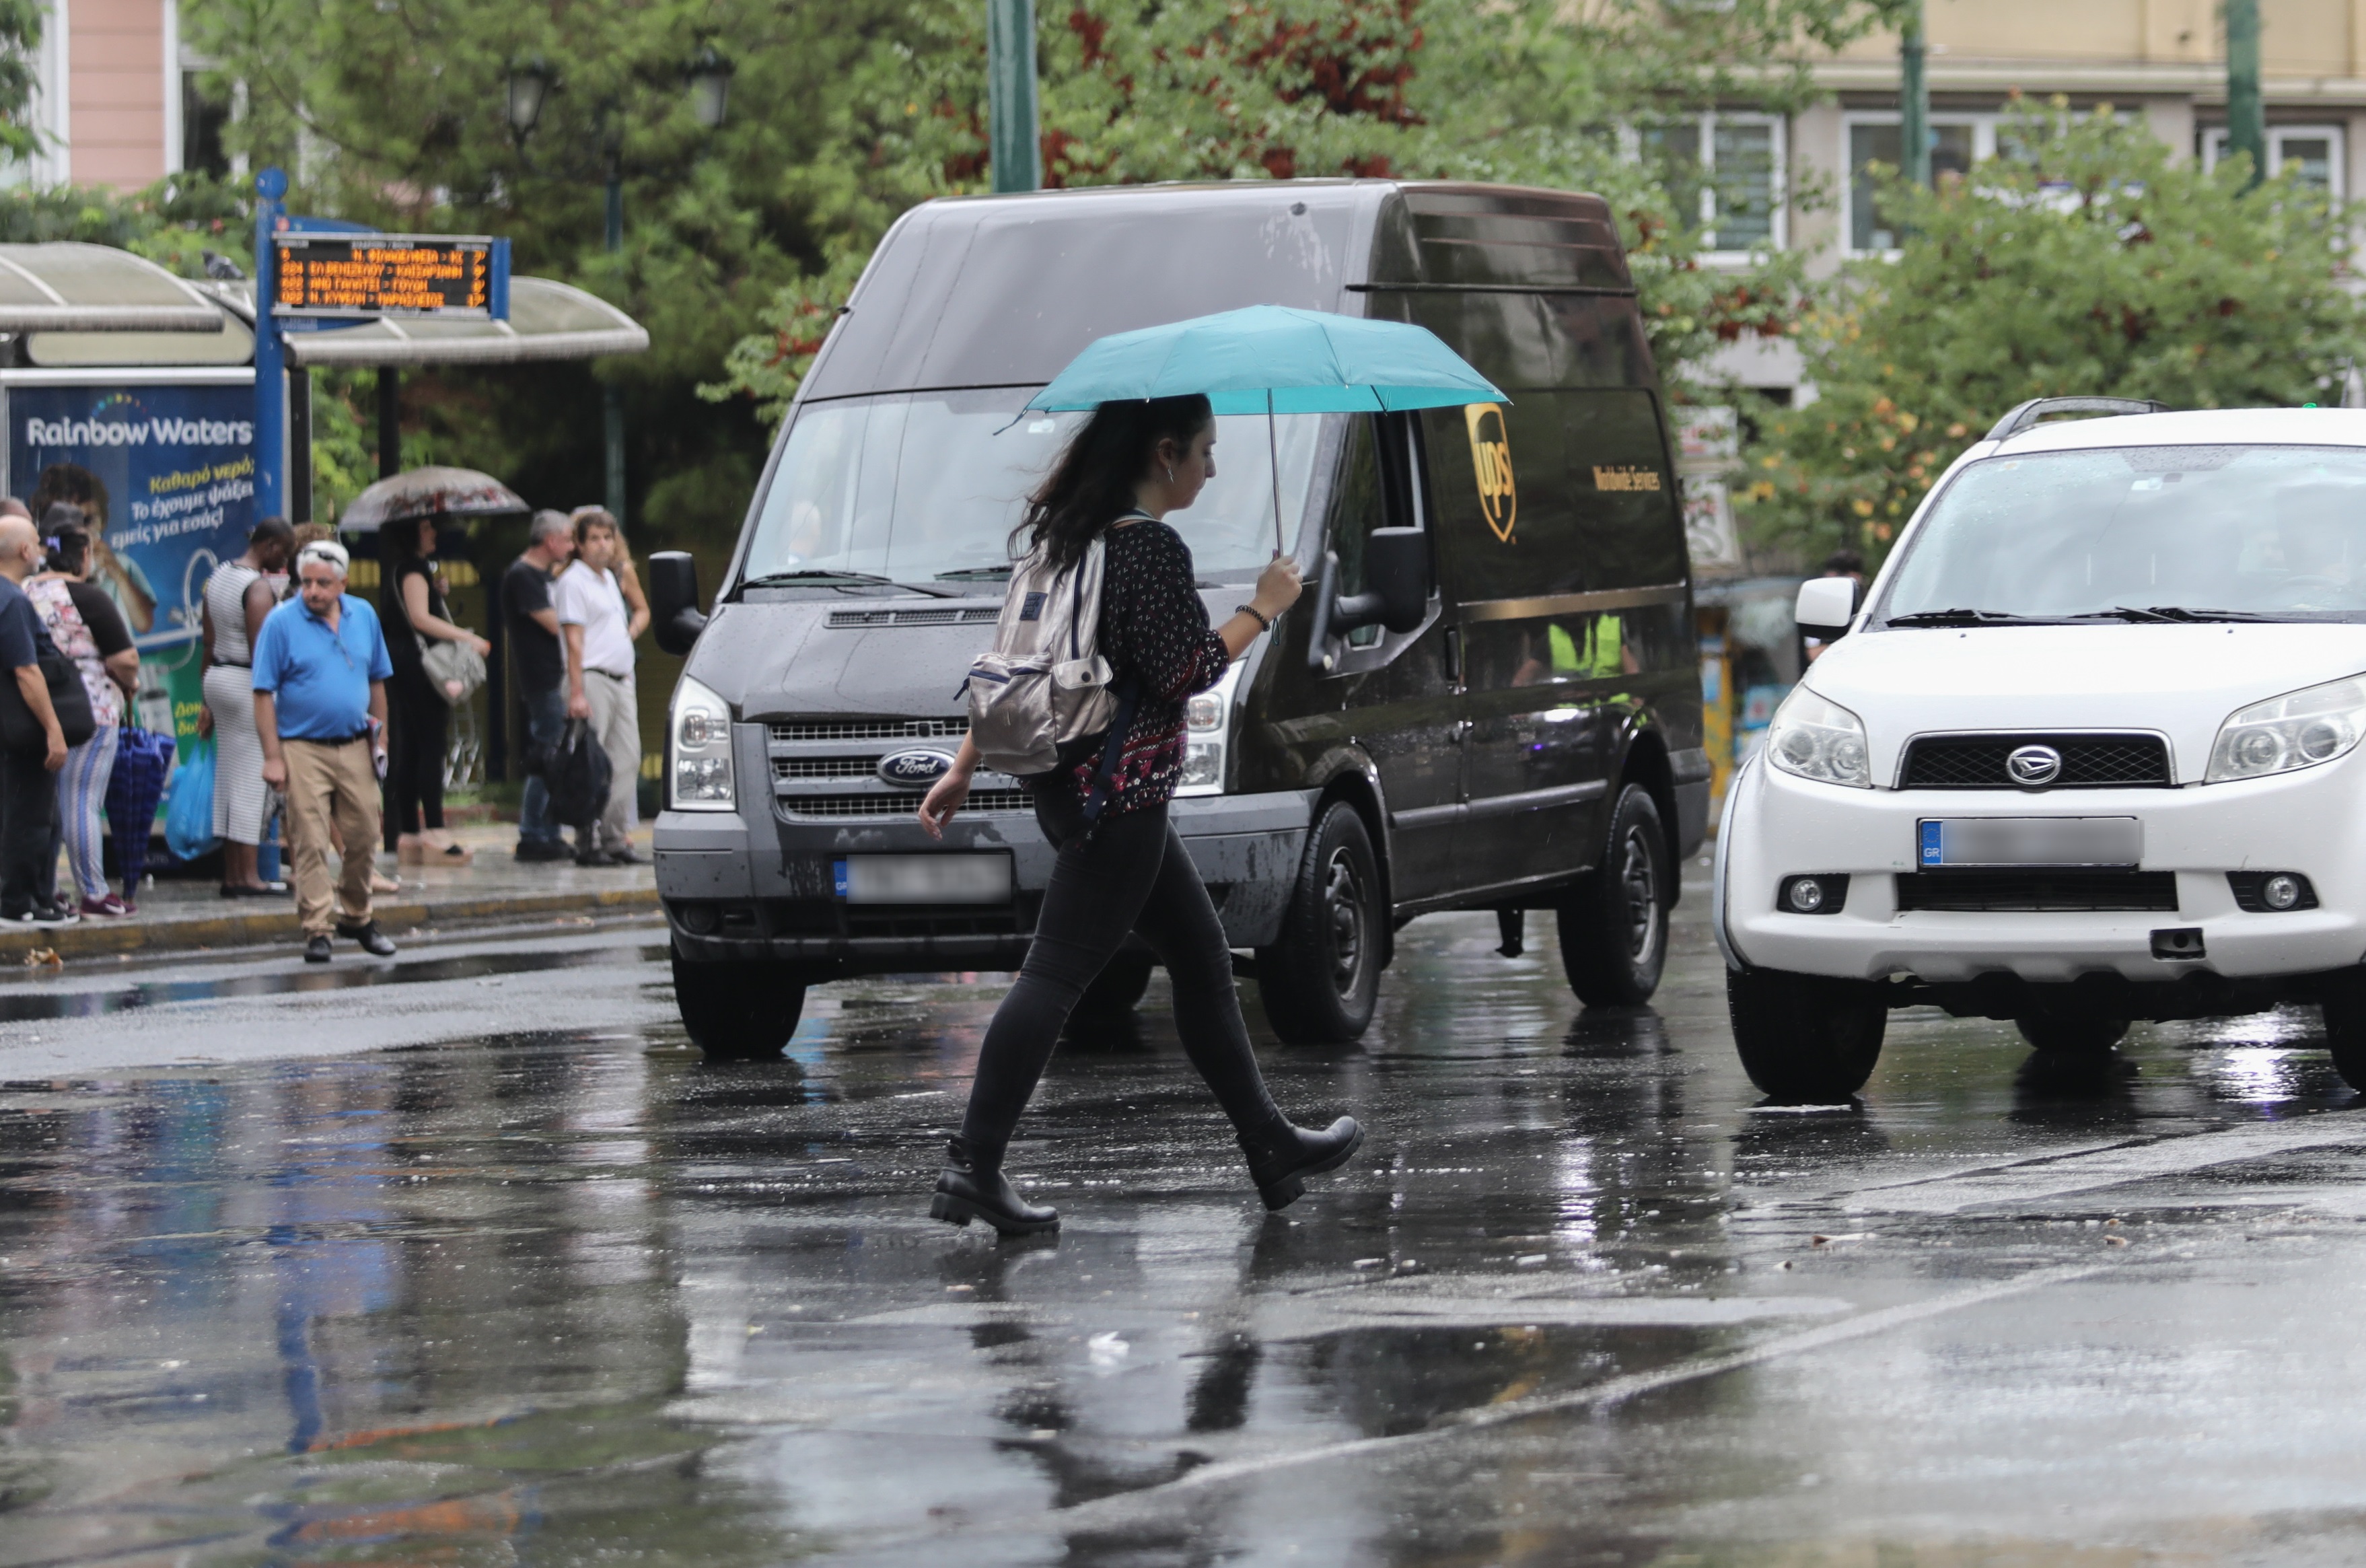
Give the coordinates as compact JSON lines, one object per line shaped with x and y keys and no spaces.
{"x":925,"y":487}
{"x":2141,"y":534}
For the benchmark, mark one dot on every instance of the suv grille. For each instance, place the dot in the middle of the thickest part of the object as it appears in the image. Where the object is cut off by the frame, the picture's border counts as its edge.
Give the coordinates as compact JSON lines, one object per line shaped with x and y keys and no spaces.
{"x":2038,"y":890}
{"x":869,"y":730}
{"x":2089,"y":761}
{"x":901,"y":804}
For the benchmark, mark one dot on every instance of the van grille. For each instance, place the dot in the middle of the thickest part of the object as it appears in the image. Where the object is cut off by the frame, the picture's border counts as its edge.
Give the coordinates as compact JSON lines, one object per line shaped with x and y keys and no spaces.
{"x":869,"y":728}
{"x":903,"y":803}
{"x":2035,"y":890}
{"x":824,"y":767}
{"x":2089,"y":761}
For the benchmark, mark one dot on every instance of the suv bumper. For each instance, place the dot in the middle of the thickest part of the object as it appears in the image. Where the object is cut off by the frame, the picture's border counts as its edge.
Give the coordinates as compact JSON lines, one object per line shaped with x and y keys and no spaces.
{"x":2305,"y":821}
{"x":737,"y":889}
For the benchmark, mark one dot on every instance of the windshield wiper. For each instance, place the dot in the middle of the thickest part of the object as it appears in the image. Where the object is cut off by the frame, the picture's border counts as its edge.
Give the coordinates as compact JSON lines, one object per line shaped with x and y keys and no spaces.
{"x":780,"y":579}
{"x":2174,"y":613}
{"x":975,"y":574}
{"x":1971,"y":618}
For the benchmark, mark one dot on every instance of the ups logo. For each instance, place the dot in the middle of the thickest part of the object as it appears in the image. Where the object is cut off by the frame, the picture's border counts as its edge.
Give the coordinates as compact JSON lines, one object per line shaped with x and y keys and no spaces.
{"x":1491,"y":459}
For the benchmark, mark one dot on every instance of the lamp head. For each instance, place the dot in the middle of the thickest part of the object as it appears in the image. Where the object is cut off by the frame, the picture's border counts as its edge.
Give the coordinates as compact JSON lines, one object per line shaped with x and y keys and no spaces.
{"x":530,"y":84}
{"x":708,"y":75}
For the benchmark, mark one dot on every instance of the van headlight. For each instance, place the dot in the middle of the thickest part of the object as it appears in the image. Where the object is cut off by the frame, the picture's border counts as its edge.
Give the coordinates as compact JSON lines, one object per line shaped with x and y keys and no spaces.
{"x":2299,"y":729}
{"x":698,"y":751}
{"x":1819,"y":739}
{"x":1207,"y":735}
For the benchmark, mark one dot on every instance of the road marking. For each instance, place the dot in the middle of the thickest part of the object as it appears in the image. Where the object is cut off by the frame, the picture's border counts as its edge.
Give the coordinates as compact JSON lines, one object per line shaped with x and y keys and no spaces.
{"x":2040,"y":1181}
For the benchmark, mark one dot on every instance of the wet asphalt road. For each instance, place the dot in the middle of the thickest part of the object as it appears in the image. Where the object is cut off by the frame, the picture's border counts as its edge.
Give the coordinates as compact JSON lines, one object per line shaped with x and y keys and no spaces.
{"x":519,"y":1277}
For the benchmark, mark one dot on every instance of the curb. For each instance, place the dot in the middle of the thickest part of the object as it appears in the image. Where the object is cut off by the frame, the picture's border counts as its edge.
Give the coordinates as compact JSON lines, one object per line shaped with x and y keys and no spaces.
{"x":92,"y":939}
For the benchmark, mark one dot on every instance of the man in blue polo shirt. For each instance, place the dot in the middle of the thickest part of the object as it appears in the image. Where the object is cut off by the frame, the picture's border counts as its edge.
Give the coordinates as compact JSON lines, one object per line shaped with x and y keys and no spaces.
{"x":321,"y":669}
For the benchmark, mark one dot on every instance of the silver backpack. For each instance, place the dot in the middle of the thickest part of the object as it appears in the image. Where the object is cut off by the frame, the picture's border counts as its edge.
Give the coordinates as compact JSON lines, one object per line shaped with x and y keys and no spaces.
{"x":1045,"y":683}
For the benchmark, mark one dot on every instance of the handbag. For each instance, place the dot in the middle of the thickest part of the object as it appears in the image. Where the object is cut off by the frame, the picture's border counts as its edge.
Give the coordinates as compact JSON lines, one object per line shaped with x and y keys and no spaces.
{"x":446,"y":662}
{"x":577,"y":773}
{"x":21,"y":732}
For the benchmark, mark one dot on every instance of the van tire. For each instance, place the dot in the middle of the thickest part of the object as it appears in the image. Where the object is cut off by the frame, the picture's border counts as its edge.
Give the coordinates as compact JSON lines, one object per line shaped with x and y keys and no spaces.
{"x":738,"y":1009}
{"x":1614,"y":922}
{"x":1806,"y":1039}
{"x":1117,"y":989}
{"x":2345,"y":1025}
{"x":1320,"y":979}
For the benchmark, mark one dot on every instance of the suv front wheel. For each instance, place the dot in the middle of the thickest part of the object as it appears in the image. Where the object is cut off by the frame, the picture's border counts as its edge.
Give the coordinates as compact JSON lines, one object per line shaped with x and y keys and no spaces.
{"x":1806,"y":1039}
{"x":738,"y":1009}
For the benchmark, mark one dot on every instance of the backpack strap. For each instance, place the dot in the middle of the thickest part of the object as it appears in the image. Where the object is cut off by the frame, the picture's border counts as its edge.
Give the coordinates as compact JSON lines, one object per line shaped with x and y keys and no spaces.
{"x":1104,"y":787}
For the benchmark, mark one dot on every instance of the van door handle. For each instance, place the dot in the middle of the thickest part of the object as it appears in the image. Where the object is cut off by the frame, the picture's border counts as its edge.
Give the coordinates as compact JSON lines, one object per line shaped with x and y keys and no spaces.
{"x":1454,"y":654}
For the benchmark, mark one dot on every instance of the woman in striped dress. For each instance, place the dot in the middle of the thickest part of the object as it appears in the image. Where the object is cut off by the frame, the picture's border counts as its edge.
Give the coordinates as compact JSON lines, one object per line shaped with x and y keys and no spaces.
{"x":238,"y":596}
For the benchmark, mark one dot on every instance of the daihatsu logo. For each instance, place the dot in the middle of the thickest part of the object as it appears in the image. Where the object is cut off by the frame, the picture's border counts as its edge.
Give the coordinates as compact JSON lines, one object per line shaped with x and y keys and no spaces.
{"x":914,"y":770}
{"x":2032,"y":766}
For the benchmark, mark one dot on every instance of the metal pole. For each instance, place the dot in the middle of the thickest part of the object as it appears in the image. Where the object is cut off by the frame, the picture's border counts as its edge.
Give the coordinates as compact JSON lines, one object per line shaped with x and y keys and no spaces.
{"x":1011,"y":137}
{"x":1273,"y":460}
{"x":270,"y":379}
{"x":2247,"y":115}
{"x":1914,"y":99}
{"x":611,"y":397}
{"x":390,"y":422}
{"x":299,"y":445}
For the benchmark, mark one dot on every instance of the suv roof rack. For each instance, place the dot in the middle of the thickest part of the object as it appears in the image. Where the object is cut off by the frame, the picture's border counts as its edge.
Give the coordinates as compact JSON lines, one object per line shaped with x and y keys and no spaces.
{"x":2030,"y":413}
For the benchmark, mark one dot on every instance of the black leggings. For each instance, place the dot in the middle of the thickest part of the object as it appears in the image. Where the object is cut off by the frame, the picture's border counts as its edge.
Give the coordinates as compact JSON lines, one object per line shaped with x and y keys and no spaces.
{"x":414,"y":762}
{"x":1132,"y":874}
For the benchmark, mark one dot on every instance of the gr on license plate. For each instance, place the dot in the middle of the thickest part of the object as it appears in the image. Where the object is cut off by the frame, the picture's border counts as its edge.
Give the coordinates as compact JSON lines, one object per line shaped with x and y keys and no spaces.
{"x":2030,"y":840}
{"x":924,"y":879}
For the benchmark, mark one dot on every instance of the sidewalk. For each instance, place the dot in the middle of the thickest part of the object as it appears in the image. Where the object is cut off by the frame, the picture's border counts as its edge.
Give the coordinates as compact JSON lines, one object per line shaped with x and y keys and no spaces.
{"x":179,"y":916}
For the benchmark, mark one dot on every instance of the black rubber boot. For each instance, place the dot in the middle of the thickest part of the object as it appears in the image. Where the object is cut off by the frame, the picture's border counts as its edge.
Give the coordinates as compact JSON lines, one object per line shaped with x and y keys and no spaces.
{"x":1282,"y":1155}
{"x":973,"y":1187}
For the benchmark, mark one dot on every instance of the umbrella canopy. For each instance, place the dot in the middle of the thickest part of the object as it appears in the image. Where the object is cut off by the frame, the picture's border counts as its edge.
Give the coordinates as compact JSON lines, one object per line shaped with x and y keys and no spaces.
{"x":423,"y":492}
{"x":1272,"y":359}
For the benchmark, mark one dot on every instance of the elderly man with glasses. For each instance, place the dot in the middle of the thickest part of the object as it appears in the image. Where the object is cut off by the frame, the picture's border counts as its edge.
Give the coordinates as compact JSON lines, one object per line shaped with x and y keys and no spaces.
{"x":321,"y":669}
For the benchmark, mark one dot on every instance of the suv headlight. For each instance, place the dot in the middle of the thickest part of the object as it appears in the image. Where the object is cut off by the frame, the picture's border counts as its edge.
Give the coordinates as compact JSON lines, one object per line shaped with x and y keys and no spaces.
{"x":2299,"y":729}
{"x":1819,"y":739}
{"x":1207,"y":735}
{"x":698,"y":751}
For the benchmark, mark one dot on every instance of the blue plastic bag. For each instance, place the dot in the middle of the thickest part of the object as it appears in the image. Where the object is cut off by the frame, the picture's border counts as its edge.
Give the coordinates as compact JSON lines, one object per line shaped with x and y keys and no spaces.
{"x":190,"y":807}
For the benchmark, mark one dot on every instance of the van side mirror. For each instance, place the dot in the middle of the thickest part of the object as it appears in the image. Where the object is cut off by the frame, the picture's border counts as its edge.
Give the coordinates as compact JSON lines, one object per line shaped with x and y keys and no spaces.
{"x":673,"y":601}
{"x":1396,"y":567}
{"x":1826,"y":605}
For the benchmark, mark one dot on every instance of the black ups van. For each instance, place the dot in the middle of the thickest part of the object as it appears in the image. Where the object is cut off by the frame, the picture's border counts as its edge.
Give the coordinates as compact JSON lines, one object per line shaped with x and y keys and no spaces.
{"x":1489,"y":697}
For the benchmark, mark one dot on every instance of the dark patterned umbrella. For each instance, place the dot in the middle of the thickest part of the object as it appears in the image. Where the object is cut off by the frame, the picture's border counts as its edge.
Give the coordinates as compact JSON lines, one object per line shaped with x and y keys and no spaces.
{"x":423,"y":492}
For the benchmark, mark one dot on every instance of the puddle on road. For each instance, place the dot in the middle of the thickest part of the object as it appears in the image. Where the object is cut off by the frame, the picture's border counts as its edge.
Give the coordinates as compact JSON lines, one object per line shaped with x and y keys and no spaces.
{"x":39,"y":1006}
{"x":590,"y":1296}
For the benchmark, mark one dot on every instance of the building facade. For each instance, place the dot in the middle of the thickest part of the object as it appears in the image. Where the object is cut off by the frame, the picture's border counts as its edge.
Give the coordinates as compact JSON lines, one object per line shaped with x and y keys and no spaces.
{"x":115,"y":99}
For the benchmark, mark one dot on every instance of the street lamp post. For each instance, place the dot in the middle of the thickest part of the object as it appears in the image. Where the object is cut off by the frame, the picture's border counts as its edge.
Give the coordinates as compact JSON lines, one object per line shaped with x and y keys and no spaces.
{"x":1914,"y":99}
{"x":707,"y":78}
{"x":2247,"y":118}
{"x":1012,"y":142}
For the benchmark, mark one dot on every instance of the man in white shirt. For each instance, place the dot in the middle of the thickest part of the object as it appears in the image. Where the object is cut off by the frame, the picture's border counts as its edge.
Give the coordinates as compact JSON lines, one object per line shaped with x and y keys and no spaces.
{"x":599,"y":631}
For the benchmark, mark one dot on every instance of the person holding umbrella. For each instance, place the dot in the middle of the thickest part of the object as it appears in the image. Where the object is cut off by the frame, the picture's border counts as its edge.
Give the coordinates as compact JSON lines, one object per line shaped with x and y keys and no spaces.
{"x":1131,"y":464}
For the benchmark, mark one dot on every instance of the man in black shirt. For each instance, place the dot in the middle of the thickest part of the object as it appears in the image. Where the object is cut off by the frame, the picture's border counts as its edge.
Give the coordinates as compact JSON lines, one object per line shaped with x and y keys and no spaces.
{"x":29,"y":796}
{"x":541,"y":666}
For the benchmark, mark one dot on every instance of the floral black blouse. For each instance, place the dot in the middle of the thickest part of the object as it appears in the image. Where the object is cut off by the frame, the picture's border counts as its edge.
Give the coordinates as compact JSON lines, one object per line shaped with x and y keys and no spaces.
{"x":1154,"y":629}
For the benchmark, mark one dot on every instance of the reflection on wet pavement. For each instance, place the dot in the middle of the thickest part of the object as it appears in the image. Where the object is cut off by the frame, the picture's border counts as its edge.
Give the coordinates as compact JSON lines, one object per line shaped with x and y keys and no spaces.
{"x":579,"y":1296}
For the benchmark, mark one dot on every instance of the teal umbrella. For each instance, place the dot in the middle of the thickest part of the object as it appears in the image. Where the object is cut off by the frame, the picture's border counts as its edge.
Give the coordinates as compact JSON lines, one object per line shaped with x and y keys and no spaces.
{"x":1271,"y":359}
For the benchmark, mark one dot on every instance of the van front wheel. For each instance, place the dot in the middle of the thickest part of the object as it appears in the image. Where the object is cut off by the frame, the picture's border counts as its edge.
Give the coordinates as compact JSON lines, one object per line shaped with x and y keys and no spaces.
{"x":737,"y":1010}
{"x":1614,"y":923}
{"x":1322,"y":979}
{"x":1806,"y":1039}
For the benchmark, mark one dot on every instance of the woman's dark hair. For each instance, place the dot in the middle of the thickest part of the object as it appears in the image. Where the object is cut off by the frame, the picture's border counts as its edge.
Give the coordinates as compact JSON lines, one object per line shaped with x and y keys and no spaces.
{"x":69,"y":548}
{"x":274,"y":530}
{"x":398,"y":542}
{"x":1091,"y":485}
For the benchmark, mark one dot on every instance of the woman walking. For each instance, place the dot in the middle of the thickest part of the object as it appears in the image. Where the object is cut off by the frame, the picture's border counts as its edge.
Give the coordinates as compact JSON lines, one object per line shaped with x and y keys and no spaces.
{"x":237,"y":597}
{"x":87,"y":629}
{"x":412,"y":606}
{"x":1130,"y":465}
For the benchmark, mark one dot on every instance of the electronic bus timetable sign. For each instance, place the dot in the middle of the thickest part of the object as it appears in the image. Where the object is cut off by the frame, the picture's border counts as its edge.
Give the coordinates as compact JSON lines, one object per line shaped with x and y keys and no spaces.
{"x":365,"y":275}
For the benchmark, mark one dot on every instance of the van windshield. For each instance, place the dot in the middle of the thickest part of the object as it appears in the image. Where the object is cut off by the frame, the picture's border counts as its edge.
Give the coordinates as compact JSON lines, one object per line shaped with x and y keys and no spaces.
{"x":926,"y":486}
{"x":2141,"y":534}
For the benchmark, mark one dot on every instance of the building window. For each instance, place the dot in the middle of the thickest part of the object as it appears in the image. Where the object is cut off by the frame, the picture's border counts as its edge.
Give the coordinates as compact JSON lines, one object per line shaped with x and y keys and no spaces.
{"x":202,"y":120}
{"x":2312,"y":151}
{"x":1725,"y":172}
{"x":1957,"y":142}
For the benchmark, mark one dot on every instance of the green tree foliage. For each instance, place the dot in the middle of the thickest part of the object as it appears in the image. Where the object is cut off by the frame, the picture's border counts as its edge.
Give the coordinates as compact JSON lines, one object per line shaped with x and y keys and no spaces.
{"x":20,"y":41}
{"x":2084,"y":261}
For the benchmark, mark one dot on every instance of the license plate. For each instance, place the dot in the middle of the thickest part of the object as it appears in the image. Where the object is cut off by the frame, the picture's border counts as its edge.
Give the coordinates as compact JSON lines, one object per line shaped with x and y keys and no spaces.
{"x":2030,"y":840}
{"x":924,"y":879}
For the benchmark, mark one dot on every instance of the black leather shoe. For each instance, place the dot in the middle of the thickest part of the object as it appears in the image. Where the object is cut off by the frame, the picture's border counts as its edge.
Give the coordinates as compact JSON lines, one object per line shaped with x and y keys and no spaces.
{"x":315,"y":950}
{"x":622,"y":854}
{"x":967,"y":1191}
{"x":373,"y":941}
{"x":1282,"y":1155}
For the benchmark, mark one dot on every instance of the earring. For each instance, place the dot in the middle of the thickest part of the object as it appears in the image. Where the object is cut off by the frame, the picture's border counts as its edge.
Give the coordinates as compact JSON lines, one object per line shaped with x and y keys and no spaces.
{"x":1170,"y":473}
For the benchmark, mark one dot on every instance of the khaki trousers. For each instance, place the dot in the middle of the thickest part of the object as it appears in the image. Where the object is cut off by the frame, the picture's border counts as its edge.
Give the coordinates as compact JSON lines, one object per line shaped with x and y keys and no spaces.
{"x":325,"y":784}
{"x":617,"y":726}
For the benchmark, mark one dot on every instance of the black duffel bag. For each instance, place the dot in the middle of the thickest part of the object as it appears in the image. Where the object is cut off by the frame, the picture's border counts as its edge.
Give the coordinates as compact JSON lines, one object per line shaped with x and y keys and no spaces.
{"x":20,"y":731}
{"x":575,"y":772}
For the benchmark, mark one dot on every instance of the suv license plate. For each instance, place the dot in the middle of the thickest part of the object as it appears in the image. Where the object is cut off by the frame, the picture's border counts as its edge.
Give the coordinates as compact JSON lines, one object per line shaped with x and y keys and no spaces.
{"x":924,"y":879}
{"x":2030,"y":840}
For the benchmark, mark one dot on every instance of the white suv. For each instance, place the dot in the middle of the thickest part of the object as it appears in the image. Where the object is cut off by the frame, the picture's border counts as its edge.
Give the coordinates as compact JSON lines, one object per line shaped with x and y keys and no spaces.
{"x":2088,"y":754}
